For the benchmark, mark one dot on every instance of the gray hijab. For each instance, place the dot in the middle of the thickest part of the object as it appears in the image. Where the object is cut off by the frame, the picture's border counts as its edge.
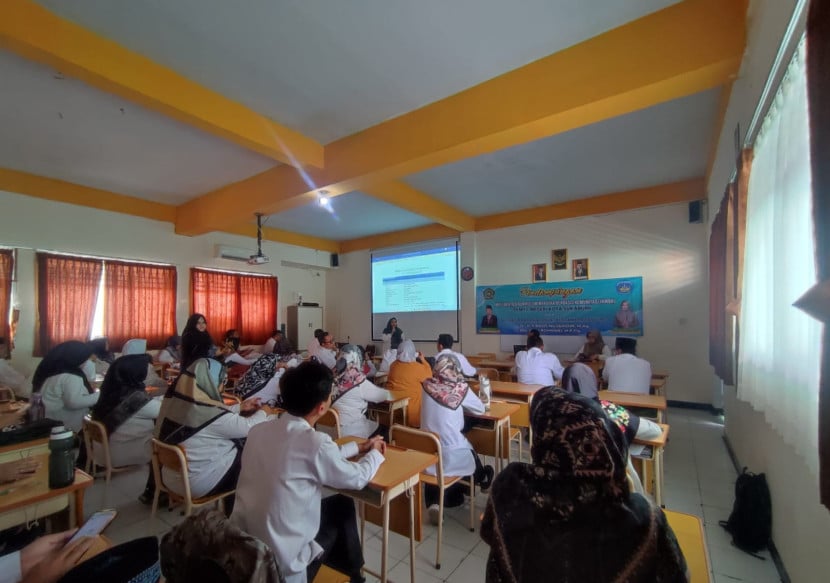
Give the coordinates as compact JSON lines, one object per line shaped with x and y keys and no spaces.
{"x":579,"y":378}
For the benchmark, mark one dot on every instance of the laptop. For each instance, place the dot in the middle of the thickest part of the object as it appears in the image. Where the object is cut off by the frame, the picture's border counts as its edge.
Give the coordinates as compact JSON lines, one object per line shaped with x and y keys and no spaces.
{"x":517,"y":348}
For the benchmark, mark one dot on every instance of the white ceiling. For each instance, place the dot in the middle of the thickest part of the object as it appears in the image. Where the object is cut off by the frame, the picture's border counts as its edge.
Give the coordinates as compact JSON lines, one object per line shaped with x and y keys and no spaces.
{"x":661,"y":144}
{"x":62,"y":128}
{"x":329,"y":68}
{"x":353,"y":215}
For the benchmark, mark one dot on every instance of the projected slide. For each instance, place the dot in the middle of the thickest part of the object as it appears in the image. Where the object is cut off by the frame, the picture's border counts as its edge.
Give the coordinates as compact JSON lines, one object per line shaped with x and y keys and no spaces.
{"x":417,"y":281}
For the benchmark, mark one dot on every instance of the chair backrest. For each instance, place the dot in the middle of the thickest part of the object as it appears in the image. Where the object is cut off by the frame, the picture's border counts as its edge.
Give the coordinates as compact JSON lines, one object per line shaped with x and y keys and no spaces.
{"x":331,"y":418}
{"x":490,"y":373}
{"x":506,"y":376}
{"x":170,"y":456}
{"x":419,"y":440}
{"x":95,"y":435}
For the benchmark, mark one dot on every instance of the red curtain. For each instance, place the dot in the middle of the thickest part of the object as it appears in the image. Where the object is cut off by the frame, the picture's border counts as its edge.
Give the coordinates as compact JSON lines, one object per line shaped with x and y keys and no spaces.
{"x":6,"y":271}
{"x":215,"y":295}
{"x":258,"y":316}
{"x":139,"y":302}
{"x":818,"y":95}
{"x":67,"y":292}
{"x":719,"y":332}
{"x":228,"y":300}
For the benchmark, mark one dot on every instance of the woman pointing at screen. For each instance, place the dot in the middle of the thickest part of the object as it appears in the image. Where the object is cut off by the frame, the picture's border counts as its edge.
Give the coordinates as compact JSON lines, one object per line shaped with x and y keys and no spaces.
{"x":392,"y":335}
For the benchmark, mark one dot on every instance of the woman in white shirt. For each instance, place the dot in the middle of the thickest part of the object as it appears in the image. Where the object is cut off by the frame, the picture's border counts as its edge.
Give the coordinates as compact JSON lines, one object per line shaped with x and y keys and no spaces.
{"x":446,"y":396}
{"x":67,"y":393}
{"x":594,"y":348}
{"x":353,"y":392}
{"x":172,"y":353}
{"x":139,"y":346}
{"x":262,"y":380}
{"x":194,"y":415}
{"x":129,"y":414}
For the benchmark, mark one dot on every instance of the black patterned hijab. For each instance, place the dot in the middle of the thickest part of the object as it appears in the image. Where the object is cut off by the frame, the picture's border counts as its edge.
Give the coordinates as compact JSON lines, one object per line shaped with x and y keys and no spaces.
{"x":257,"y":376}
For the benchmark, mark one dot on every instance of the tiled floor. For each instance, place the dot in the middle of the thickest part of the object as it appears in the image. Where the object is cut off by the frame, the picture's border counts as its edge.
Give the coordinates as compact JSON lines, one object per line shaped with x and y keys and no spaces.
{"x":699,"y":479}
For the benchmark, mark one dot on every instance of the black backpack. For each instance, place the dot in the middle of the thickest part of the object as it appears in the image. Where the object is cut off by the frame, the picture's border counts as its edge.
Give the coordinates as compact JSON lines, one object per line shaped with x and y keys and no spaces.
{"x":750,"y":523}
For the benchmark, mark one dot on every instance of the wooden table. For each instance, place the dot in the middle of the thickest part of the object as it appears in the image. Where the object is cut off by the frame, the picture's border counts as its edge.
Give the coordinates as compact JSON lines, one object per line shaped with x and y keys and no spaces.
{"x":13,"y":413}
{"x":500,"y":365}
{"x":486,"y":437}
{"x":656,"y":402}
{"x":692,"y":539}
{"x":32,"y":498}
{"x":657,"y":385}
{"x":657,"y":446}
{"x":400,"y":473}
{"x":518,"y":391}
{"x":387,"y":409}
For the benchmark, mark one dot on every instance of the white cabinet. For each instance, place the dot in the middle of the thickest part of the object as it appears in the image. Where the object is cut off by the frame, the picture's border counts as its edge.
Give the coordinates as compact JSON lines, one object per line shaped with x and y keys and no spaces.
{"x":301,"y":323}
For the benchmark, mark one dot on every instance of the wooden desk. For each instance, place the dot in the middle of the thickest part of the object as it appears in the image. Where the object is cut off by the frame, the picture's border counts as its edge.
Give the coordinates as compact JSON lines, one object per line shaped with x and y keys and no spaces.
{"x":31,"y":499}
{"x":657,"y":386}
{"x":400,"y":473}
{"x":501,"y":365}
{"x":518,"y":391}
{"x":385,"y":410}
{"x":657,"y":446}
{"x":487,"y":437}
{"x":656,"y":402}
{"x":13,"y":413}
{"x":692,"y":539}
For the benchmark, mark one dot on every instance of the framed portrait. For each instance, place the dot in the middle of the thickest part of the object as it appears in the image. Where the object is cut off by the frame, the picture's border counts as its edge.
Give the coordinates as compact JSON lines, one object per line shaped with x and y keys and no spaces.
{"x":539,"y":272}
{"x":559,"y":259}
{"x":579,"y":268}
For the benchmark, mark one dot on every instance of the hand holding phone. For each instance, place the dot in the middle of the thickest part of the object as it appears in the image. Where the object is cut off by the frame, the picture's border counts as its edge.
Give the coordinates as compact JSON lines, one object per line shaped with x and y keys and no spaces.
{"x":95,"y":525}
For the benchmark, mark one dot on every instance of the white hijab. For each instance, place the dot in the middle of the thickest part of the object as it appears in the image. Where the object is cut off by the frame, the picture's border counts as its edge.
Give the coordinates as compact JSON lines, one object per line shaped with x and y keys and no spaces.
{"x":407,"y":352}
{"x":134,"y":346}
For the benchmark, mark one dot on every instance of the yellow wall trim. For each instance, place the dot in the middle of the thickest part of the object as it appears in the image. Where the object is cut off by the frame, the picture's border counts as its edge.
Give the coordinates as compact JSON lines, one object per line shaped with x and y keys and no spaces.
{"x":687,"y":190}
{"x":37,"y":34}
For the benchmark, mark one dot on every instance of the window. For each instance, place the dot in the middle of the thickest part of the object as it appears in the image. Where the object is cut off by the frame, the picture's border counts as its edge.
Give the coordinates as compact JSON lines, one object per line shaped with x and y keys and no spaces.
{"x":235,"y":300}
{"x":83,"y":297}
{"x":780,"y":351}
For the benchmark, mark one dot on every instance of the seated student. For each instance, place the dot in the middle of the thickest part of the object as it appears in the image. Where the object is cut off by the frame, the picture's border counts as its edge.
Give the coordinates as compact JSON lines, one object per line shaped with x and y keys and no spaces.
{"x":277,"y":344}
{"x":534,"y":366}
{"x":445,"y":343}
{"x":261,"y":380}
{"x":315,"y":343}
{"x":139,"y":346}
{"x":594,"y":348}
{"x":129,"y":414}
{"x":232,"y":355}
{"x":406,"y":375}
{"x":624,"y":371}
{"x":353,"y":392}
{"x":67,"y":393}
{"x":194,"y":415}
{"x":446,"y":397}
{"x":572,"y":505}
{"x":327,"y":353}
{"x":102,"y":356}
{"x":172,"y":353}
{"x":286,"y":465}
{"x":389,"y":357}
{"x":16,"y":381}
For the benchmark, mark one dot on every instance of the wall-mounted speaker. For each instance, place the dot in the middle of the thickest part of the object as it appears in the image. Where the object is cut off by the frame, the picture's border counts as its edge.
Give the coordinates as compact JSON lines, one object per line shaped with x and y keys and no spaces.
{"x":697,"y":211}
{"x":335,"y":260}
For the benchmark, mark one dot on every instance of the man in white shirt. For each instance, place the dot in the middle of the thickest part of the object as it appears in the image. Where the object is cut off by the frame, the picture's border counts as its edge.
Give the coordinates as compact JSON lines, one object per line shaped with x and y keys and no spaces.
{"x":624,"y":371}
{"x":327,"y":354}
{"x":536,"y":367}
{"x":286,"y":464}
{"x":445,"y":342}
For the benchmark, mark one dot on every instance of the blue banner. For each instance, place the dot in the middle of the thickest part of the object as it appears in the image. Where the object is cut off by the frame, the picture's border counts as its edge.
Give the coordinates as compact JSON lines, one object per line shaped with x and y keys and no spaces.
{"x":572,"y":308}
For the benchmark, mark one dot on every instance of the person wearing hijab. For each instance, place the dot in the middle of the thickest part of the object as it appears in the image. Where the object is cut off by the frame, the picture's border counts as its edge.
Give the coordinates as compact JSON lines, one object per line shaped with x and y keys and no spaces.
{"x":625,"y":317}
{"x":569,"y":514}
{"x":196,"y":341}
{"x":129,"y":414}
{"x":101,"y":354}
{"x":138,"y":346}
{"x":392,"y":335}
{"x":352,"y":393}
{"x":594,"y":348}
{"x":406,"y":374}
{"x":446,"y":396}
{"x":172,"y":353}
{"x":194,"y":415}
{"x":262,"y":379}
{"x":59,"y":378}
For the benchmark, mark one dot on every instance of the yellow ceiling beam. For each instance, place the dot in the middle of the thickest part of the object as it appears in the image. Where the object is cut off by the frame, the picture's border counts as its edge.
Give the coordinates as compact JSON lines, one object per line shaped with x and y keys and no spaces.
{"x":105,"y":200}
{"x":68,"y":192}
{"x":404,"y":196}
{"x":684,"y":49}
{"x":415,"y":235}
{"x":684,"y":191}
{"x":37,"y":34}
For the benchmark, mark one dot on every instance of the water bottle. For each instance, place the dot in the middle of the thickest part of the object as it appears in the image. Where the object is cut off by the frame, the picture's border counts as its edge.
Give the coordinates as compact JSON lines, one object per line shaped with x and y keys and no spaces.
{"x":37,"y":410}
{"x":484,"y":391}
{"x":61,"y":457}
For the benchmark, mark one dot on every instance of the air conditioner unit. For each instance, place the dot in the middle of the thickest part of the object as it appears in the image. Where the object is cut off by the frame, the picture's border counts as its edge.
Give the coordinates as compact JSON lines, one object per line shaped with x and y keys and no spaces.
{"x":232,"y":253}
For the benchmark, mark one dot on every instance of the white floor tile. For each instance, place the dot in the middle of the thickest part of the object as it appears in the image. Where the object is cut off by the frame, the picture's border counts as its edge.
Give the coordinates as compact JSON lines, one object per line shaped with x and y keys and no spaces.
{"x":402,"y":574}
{"x":735,"y":563}
{"x":471,"y":570}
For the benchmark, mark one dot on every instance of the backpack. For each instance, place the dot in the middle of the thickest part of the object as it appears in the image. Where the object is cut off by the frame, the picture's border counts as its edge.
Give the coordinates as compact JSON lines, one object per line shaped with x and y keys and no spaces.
{"x":750,"y":522}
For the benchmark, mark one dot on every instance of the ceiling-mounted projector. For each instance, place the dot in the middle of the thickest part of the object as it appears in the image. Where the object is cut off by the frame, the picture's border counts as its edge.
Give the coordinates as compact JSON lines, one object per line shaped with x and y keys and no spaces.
{"x":258,"y":259}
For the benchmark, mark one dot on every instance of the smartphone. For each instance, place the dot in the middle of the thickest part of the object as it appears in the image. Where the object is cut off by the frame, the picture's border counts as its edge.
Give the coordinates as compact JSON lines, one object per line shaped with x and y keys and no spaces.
{"x":95,"y":525}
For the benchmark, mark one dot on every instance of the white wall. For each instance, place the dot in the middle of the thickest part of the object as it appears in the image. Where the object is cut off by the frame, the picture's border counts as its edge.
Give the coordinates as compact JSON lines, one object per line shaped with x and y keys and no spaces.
{"x":657,"y":243}
{"x":31,"y":223}
{"x":800,"y":523}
